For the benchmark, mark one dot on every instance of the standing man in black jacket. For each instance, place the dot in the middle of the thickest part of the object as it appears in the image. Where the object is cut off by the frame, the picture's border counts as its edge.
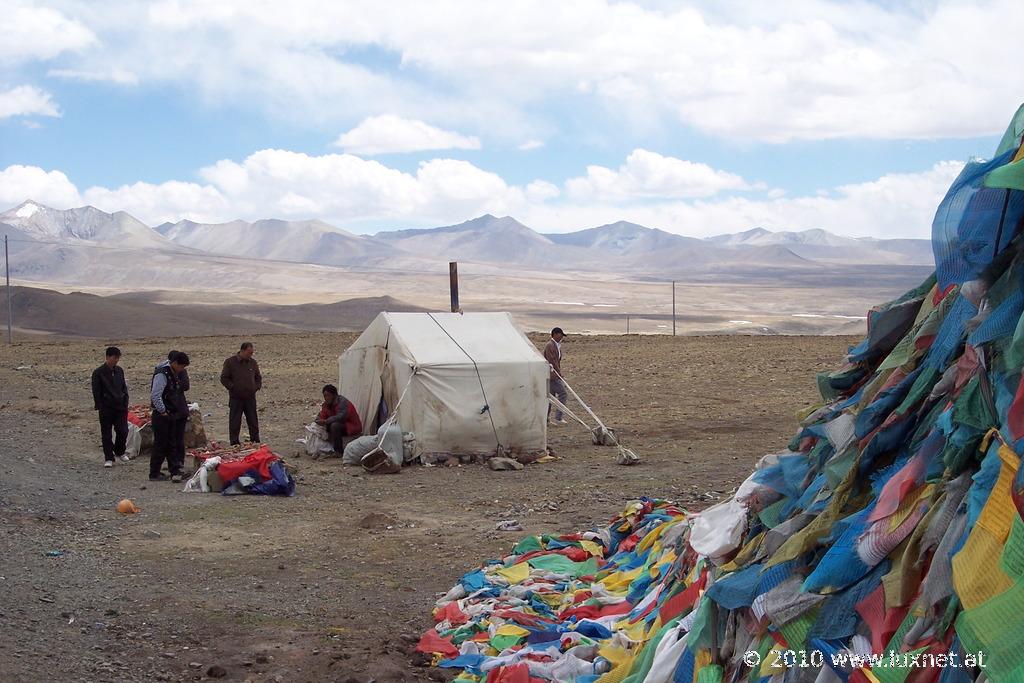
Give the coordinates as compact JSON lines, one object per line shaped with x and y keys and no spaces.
{"x":180,"y":422}
{"x":170,"y":409}
{"x":241,"y":377}
{"x":110,"y":398}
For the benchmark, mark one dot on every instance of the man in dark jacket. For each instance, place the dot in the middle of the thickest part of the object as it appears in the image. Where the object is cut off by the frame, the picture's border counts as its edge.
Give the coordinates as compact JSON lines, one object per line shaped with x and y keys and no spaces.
{"x":170,"y":410}
{"x":241,"y":377}
{"x":180,"y":424}
{"x":339,"y":417}
{"x":110,"y":398}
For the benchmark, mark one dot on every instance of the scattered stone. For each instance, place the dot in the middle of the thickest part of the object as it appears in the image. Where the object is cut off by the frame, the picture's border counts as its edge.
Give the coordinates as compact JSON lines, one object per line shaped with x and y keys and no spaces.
{"x":377,"y":520}
{"x":150,"y":533}
{"x":502,"y":464}
{"x":195,"y":665}
{"x":261,"y":659}
{"x":216,"y":671}
{"x":420,"y":659}
{"x":509,"y":525}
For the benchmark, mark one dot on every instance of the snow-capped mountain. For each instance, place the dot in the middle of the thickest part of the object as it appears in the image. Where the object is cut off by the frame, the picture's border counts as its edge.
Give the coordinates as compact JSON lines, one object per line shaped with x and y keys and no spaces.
{"x":85,"y":224}
{"x":761,"y":237}
{"x":299,"y":241}
{"x":822,"y":245}
{"x":624,"y":238}
{"x":48,"y":244}
{"x":487,"y":238}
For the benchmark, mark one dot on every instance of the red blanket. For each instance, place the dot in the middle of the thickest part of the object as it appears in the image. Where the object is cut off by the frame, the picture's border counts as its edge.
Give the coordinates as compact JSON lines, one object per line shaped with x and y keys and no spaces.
{"x":258,"y":460}
{"x":139,"y":415}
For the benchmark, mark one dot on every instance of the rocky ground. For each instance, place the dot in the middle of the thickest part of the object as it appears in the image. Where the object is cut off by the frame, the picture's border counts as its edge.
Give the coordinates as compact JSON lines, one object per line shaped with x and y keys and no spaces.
{"x":337,"y":582}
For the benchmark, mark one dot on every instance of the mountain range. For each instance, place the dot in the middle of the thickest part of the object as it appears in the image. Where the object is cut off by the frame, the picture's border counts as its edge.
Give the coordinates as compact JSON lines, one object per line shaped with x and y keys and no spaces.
{"x":54,"y":245}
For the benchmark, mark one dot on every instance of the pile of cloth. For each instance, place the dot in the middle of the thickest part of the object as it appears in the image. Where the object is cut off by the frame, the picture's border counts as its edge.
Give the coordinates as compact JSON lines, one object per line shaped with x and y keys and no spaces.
{"x":244,"y":469}
{"x":884,"y":544}
{"x":140,"y":429}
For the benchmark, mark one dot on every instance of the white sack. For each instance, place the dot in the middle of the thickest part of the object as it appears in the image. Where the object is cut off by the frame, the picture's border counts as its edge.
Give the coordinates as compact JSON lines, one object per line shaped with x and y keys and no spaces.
{"x":718,"y":530}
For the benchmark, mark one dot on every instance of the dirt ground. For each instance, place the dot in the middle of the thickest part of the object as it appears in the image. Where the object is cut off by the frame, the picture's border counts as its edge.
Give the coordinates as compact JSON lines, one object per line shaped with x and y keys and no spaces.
{"x":338,"y":581}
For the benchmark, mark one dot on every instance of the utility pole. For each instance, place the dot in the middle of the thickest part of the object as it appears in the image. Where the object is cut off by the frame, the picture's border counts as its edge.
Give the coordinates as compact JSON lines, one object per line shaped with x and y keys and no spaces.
{"x":627,"y":323}
{"x":10,"y":313}
{"x":673,"y":308}
{"x":453,"y":284}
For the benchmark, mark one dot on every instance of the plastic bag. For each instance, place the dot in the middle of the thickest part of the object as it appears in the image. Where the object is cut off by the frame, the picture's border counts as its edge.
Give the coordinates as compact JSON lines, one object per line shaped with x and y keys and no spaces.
{"x":384,"y":460}
{"x":718,"y":530}
{"x":199,"y":482}
{"x":134,"y":442}
{"x":410,"y":448}
{"x":316,"y":440}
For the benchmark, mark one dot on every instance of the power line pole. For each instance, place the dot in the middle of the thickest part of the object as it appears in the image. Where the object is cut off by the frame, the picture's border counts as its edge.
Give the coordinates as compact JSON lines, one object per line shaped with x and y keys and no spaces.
{"x":673,"y":308}
{"x":10,"y":315}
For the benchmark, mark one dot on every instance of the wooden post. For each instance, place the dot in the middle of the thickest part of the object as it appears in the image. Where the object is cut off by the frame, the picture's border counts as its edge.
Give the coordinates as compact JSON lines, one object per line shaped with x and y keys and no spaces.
{"x":627,"y":323}
{"x":673,"y":308}
{"x":10,"y":312}
{"x":453,"y":284}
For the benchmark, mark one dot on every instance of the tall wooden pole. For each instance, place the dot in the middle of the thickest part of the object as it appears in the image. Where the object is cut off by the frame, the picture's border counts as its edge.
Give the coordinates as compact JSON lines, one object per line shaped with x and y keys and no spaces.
{"x":627,"y":324}
{"x":673,"y":308}
{"x":10,"y":313}
{"x":453,"y":284}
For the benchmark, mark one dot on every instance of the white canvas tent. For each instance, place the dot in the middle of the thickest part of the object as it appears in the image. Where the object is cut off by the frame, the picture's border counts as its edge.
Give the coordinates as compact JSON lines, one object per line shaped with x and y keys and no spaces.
{"x":471,"y":381}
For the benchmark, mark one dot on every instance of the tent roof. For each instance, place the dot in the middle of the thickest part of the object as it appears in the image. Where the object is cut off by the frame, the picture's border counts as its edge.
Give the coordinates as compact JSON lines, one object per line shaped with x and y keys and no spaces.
{"x":453,"y":338}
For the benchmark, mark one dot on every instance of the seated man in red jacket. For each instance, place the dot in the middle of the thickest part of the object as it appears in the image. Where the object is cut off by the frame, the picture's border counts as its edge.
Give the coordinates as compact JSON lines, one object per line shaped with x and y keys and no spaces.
{"x":339,"y":417}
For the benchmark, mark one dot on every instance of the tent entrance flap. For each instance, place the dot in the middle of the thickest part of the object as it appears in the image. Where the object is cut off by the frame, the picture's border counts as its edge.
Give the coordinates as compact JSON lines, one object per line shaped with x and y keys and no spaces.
{"x":360,"y":374}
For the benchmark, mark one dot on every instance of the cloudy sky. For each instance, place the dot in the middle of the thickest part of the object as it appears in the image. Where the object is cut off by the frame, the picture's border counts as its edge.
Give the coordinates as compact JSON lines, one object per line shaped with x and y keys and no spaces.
{"x":699,"y":118}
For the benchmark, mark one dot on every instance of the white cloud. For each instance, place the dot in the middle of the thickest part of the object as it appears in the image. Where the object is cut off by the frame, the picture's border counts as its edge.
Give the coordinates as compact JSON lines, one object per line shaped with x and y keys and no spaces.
{"x":895,"y":205}
{"x":18,"y":183}
{"x":29,"y":32}
{"x":154,"y":204}
{"x":530,"y":144}
{"x":817,"y":69}
{"x":340,"y":188}
{"x":541,"y":191}
{"x":117,"y":76}
{"x":352,"y":192}
{"x":27,"y":100}
{"x":647,"y":175}
{"x":390,"y":134}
